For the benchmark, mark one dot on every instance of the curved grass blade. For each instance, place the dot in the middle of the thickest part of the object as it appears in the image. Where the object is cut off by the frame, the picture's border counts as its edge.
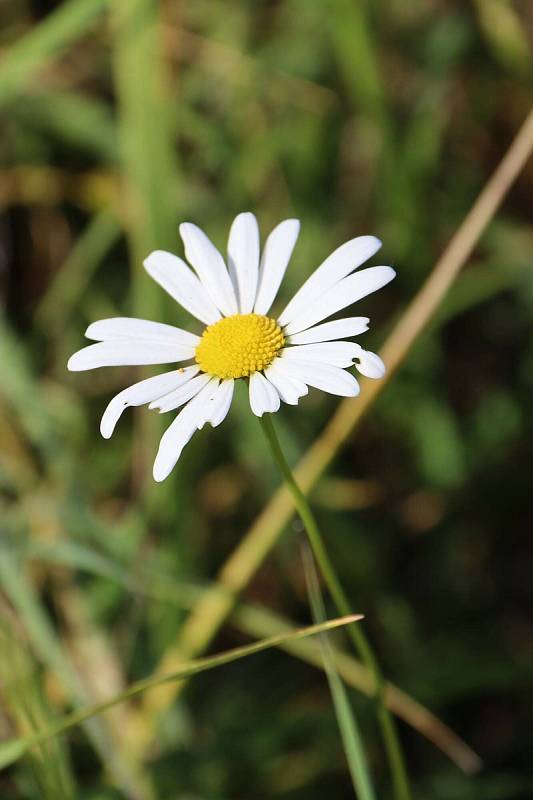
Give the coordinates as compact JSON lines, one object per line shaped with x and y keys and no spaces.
{"x":13,"y":749}
{"x":259,"y":622}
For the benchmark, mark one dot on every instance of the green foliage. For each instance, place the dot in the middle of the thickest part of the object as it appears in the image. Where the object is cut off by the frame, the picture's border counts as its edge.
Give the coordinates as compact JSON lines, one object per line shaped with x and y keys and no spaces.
{"x":122,"y":119}
{"x":49,"y":773}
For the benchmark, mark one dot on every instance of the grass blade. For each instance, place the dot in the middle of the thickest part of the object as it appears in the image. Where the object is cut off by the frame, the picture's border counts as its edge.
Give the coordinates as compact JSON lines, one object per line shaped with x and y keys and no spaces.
{"x":259,"y":623}
{"x":25,"y":702}
{"x":74,"y":276}
{"x":73,"y":119}
{"x":58,"y":30}
{"x":45,"y":643}
{"x":149,"y":167}
{"x":351,"y":737}
{"x":354,"y":47}
{"x":145,"y":140}
{"x":256,"y":621}
{"x":13,"y":749}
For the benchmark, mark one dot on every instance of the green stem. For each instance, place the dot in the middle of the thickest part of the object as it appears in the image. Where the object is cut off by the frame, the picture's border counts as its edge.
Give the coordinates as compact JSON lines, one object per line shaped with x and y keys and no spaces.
{"x":361,"y":643}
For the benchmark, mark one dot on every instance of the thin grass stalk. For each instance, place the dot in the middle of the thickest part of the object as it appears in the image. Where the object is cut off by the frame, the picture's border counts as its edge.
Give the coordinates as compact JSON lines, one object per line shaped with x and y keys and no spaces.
{"x":12,"y":750}
{"x":351,"y":737}
{"x":359,"y":640}
{"x":260,"y":623}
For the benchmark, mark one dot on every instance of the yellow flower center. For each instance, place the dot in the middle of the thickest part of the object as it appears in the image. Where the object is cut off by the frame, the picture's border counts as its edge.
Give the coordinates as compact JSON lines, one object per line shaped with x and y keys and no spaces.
{"x":236,"y":346}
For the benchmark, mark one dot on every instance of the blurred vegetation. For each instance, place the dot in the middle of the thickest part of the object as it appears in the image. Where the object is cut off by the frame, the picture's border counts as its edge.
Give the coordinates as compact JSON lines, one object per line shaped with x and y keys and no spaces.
{"x":120,"y":119}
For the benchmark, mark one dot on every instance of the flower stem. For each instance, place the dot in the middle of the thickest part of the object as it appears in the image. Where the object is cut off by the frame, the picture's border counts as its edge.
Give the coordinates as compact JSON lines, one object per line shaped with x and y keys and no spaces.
{"x":361,"y":643}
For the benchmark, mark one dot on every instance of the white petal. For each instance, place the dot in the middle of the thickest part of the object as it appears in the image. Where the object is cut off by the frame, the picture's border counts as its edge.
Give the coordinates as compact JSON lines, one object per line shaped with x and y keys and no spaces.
{"x":243,"y":260}
{"x":289,"y":389}
{"x":370,"y":364}
{"x":209,"y":403}
{"x":323,"y":376}
{"x":210,"y":268}
{"x":263,"y":396}
{"x":129,"y":328}
{"x":222,"y":403}
{"x":276,"y":255}
{"x":141,"y":393}
{"x":175,"y":399}
{"x":219,"y":404}
{"x":343,"y":294}
{"x":284,"y":368}
{"x":339,"y":354}
{"x":340,"y":263}
{"x":175,"y":277}
{"x":178,"y":434}
{"x":130,"y":352}
{"x":338,"y":329}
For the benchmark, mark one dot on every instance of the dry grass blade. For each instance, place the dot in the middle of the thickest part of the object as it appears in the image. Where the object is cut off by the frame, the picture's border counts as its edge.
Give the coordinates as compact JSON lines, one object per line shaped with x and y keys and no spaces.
{"x":211,"y":611}
{"x":261,"y":623}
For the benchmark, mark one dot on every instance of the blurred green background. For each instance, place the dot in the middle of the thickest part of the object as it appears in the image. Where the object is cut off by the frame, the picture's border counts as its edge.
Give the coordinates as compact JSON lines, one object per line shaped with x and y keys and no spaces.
{"x":119,"y":120}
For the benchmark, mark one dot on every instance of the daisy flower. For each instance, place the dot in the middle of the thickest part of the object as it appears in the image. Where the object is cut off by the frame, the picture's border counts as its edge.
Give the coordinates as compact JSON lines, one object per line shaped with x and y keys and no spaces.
{"x":280,"y":357}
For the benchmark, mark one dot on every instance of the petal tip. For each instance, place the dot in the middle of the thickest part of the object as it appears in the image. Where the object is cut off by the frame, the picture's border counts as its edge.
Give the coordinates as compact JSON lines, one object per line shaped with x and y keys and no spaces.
{"x":186,"y":227}
{"x":152,"y":257}
{"x":152,"y":263}
{"x":249,"y":215}
{"x":73,"y":364}
{"x":291,"y":223}
{"x":159,"y":472}
{"x":105,"y":431}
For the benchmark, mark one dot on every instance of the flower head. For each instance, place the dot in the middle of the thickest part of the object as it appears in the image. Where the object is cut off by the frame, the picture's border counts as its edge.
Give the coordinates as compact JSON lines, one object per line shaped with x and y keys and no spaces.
{"x":280,"y":357}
